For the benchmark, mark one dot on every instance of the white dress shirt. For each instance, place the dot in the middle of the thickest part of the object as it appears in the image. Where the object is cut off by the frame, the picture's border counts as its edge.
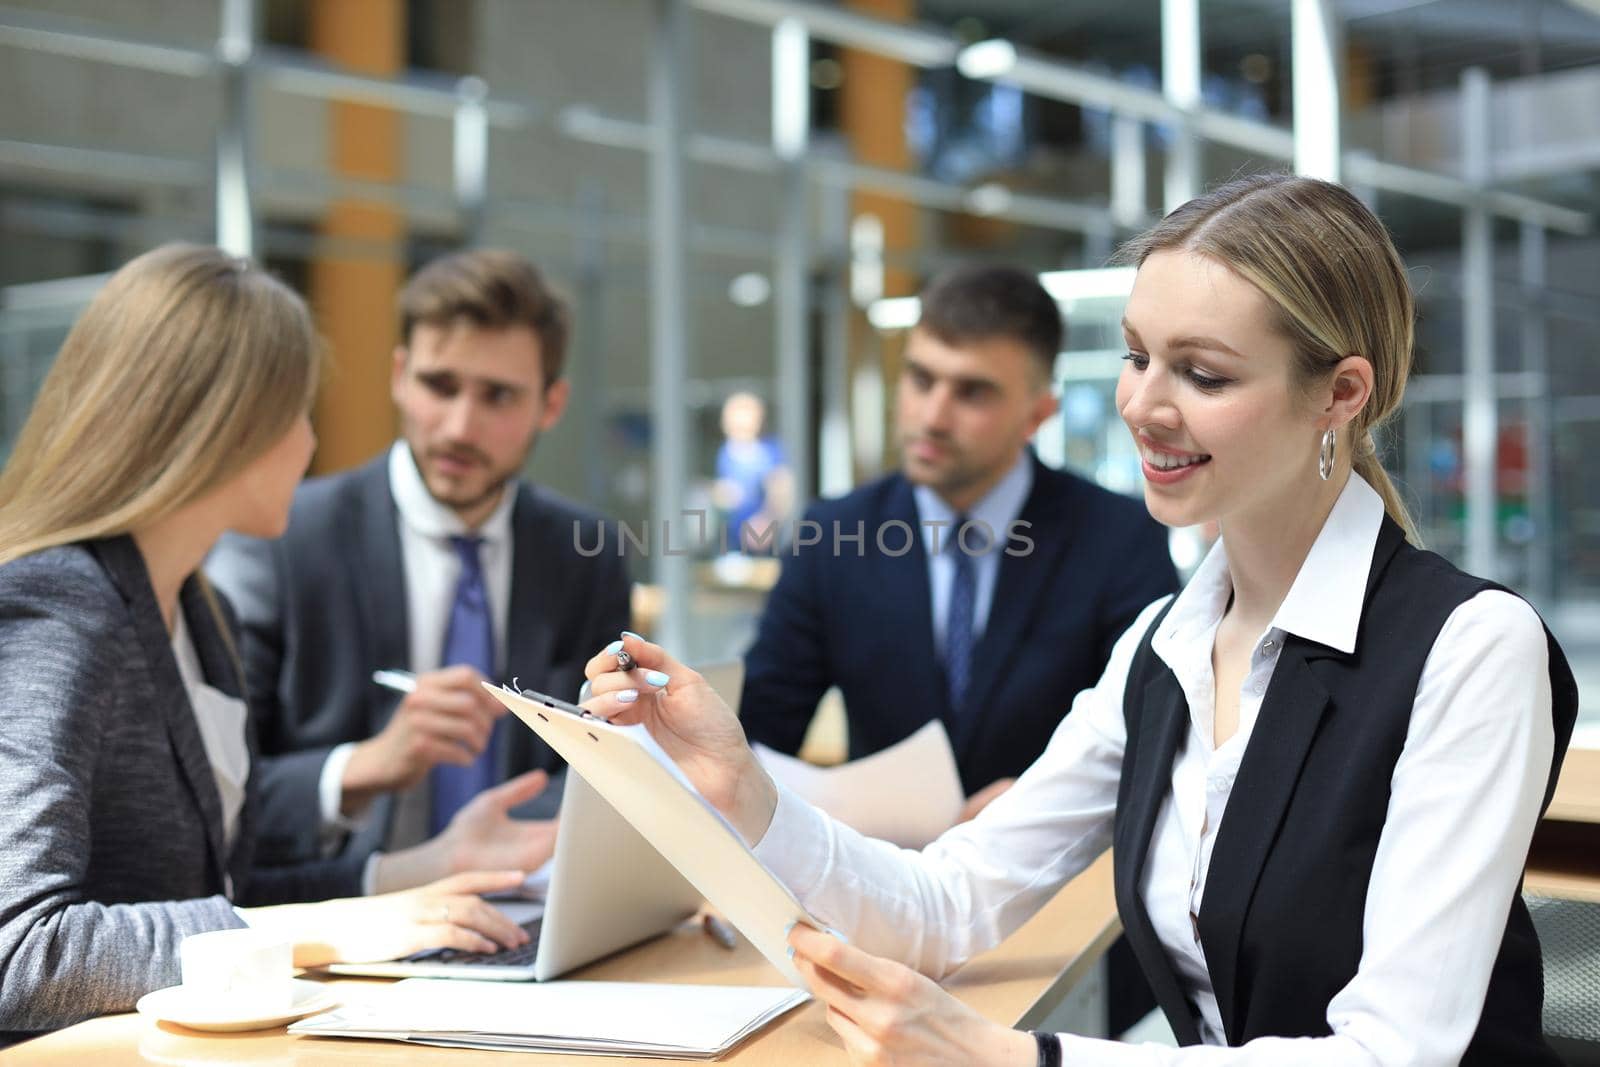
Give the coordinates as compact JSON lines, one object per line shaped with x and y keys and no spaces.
{"x":997,"y":510}
{"x":221,"y":719}
{"x":1464,"y":799}
{"x":431,"y":569}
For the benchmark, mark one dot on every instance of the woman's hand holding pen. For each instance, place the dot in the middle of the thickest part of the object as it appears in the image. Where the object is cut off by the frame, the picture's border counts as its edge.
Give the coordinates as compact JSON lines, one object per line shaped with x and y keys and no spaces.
{"x":690,"y":722}
{"x":885,"y":1012}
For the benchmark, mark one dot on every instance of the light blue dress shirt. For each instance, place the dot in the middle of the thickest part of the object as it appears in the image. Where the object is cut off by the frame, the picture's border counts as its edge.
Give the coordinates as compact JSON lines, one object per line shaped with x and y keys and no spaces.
{"x":998,"y":509}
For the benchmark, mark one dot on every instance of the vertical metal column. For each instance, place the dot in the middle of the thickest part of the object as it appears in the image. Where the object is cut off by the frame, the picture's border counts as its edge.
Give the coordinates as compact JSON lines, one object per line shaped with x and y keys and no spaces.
{"x":16,"y":390}
{"x":1480,"y":415}
{"x":1541,"y":424}
{"x":669,"y":303}
{"x":1127,"y":171}
{"x":791,"y":134}
{"x":1099,"y":242}
{"x":235,"y":45}
{"x":870,"y":415}
{"x":1364,"y":191}
{"x":1317,"y":81}
{"x":836,"y":461}
{"x":1180,"y":82}
{"x":589,"y":376}
{"x":470,"y":157}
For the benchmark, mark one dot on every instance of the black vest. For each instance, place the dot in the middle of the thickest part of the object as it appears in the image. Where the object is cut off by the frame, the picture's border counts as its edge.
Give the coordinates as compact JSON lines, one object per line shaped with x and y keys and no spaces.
{"x":1281,"y":919}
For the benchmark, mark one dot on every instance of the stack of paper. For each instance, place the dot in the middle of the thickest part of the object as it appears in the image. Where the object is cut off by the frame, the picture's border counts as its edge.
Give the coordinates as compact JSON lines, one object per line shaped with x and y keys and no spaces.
{"x":908,"y":794}
{"x":608,"y":1018}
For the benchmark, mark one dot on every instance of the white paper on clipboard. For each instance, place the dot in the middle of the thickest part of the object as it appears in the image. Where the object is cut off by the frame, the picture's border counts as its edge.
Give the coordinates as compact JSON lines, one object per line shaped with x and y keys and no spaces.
{"x":627,"y":768}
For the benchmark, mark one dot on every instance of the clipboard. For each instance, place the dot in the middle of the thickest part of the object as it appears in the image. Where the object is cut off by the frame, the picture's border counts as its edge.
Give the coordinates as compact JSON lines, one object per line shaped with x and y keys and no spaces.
{"x":625,"y":766}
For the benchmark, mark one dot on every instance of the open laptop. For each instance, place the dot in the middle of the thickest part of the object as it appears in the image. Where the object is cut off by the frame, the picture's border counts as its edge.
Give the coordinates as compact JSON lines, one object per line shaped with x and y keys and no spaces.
{"x":609,"y":889}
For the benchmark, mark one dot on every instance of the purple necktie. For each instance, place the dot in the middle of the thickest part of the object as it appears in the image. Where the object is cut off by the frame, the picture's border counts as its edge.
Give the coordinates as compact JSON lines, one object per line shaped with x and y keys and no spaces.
{"x":958,"y":620}
{"x":469,"y":641}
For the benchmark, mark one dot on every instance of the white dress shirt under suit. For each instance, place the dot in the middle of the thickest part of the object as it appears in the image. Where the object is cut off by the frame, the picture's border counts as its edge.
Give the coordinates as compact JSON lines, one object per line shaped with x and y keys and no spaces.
{"x":1465,"y":797}
{"x":997,"y":510}
{"x":221,"y":719}
{"x":432,"y":569}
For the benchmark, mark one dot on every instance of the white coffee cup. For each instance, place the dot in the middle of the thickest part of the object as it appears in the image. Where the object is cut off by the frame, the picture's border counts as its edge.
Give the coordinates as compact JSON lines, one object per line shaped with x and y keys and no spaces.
{"x":249,"y":970}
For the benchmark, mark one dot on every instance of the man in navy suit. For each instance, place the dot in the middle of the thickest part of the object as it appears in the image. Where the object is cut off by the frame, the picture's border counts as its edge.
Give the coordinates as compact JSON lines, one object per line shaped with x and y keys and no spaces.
{"x":976,"y":585}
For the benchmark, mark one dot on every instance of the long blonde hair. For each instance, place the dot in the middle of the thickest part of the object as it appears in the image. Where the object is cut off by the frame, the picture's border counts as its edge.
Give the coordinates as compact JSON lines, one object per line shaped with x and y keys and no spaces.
{"x":1334,"y":279}
{"x":187,"y":366}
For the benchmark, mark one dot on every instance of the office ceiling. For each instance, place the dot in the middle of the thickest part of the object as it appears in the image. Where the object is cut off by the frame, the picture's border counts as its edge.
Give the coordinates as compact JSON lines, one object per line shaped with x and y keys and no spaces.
{"x":1438,"y":37}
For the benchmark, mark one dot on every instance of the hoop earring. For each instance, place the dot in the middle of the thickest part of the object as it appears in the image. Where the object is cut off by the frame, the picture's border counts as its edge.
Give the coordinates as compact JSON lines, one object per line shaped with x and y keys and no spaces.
{"x":1325,"y":456}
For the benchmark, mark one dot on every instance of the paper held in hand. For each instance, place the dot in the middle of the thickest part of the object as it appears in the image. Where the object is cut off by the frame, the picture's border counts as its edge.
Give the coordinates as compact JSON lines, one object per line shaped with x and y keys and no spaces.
{"x":908,"y":794}
{"x":626,"y":767}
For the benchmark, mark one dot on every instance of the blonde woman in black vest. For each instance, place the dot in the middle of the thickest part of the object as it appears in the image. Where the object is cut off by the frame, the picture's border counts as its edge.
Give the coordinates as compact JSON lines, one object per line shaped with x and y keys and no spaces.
{"x":1320,"y":764}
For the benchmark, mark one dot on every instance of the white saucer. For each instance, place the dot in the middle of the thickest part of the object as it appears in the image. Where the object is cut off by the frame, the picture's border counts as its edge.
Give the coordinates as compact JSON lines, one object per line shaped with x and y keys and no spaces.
{"x":184,"y":1006}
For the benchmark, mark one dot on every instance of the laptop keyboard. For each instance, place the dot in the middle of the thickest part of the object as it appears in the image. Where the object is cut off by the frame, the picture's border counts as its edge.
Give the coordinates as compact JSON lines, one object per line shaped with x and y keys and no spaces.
{"x":509,"y":957}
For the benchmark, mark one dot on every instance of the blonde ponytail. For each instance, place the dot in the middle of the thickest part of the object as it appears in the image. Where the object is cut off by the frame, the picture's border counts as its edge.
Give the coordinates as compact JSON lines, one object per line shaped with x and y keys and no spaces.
{"x":1371,"y":468}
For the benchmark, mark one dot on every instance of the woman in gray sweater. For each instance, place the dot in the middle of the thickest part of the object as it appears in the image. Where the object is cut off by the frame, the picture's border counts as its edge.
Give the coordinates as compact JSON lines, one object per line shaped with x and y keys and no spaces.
{"x":176,"y":409}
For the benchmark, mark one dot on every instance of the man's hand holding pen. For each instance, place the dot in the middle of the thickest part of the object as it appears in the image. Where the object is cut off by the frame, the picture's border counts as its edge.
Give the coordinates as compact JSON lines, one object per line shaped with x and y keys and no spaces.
{"x":482,"y":835}
{"x":446,"y":718}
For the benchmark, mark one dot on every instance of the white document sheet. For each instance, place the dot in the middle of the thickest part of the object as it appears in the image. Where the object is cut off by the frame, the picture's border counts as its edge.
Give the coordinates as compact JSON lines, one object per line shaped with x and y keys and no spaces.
{"x":909,"y":793}
{"x":611,"y":1018}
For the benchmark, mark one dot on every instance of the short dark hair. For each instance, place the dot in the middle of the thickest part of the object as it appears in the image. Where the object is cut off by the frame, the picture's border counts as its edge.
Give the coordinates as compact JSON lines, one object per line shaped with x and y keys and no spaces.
{"x":979,"y":303}
{"x":493,"y":289}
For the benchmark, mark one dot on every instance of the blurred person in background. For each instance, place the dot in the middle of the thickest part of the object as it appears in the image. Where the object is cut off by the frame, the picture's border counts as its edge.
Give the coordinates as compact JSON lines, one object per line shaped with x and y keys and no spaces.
{"x":754,"y":489}
{"x":937,"y":578}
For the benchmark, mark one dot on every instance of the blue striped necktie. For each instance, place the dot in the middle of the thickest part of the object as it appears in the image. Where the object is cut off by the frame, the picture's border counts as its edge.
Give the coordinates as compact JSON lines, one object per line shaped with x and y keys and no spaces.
{"x":469,"y":641}
{"x":958,"y":620}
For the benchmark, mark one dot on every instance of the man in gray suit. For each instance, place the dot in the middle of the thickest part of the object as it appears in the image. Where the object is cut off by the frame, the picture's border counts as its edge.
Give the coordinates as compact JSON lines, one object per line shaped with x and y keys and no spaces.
{"x":434,"y":558}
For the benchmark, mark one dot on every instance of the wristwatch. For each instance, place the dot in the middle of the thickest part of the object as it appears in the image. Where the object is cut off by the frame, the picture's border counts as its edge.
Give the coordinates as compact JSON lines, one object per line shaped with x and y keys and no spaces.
{"x":1049,"y":1048}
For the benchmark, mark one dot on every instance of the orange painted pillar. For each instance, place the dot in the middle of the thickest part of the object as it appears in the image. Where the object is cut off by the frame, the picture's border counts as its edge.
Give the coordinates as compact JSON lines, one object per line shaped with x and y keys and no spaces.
{"x":353,"y":287}
{"x":873,"y":114}
{"x":872,"y":103}
{"x":1360,"y":77}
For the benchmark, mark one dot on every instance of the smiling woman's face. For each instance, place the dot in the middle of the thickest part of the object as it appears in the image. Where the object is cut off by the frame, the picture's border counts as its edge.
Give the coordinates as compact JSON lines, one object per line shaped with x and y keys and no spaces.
{"x":1207,"y":394}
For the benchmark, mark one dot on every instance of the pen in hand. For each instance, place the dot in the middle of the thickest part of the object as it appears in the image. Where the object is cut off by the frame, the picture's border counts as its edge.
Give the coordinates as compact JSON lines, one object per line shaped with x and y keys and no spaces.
{"x":398,"y":680}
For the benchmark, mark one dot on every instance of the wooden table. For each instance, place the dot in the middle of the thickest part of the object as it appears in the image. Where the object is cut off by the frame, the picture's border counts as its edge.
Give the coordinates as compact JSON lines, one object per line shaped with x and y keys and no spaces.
{"x":1018,"y":982}
{"x":1565,"y":858}
{"x":1577,"y":796}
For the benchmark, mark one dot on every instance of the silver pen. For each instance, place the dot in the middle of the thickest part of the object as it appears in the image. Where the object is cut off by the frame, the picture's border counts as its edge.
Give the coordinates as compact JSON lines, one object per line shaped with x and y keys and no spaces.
{"x":398,"y":680}
{"x":623,"y":656}
{"x":718,"y":931}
